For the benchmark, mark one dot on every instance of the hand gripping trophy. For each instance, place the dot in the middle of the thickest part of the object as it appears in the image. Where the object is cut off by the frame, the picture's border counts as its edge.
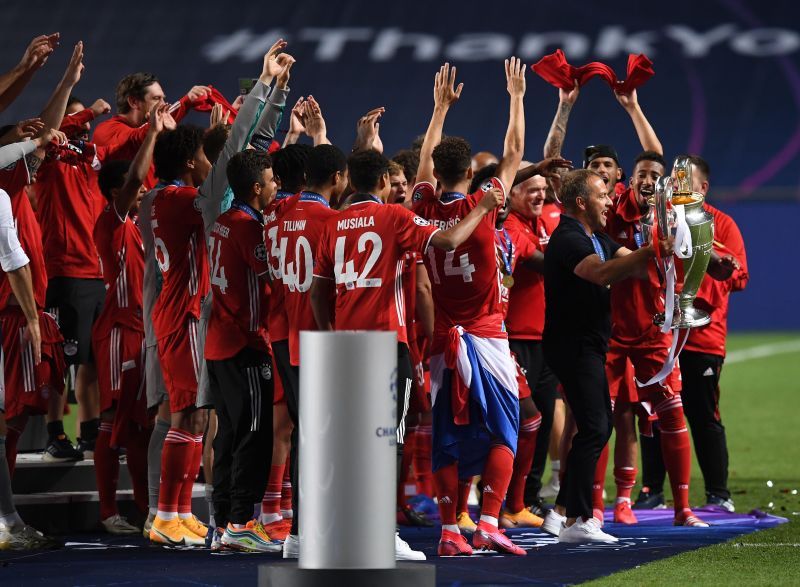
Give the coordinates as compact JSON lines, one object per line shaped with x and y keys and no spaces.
{"x":678,"y":211}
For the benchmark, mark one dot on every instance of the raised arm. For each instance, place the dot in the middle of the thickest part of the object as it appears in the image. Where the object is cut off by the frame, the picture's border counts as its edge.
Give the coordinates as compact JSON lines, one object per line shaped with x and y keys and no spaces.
{"x":140,"y":166}
{"x":316,"y":128}
{"x":647,"y":136}
{"x":14,"y":81}
{"x":514,"y":143}
{"x":271,"y":116}
{"x":53,"y":112}
{"x":368,"y":131}
{"x":445,"y":94}
{"x":452,"y":237}
{"x":558,"y":130}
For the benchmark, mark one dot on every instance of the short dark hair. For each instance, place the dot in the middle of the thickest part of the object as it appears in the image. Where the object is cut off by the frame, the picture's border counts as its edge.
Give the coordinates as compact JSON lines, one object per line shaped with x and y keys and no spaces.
{"x":133,"y":86}
{"x":214,"y":141}
{"x":245,"y":169}
{"x":653,"y":156}
{"x":701,"y":164}
{"x":576,"y":185}
{"x":452,"y":158}
{"x":409,"y":161}
{"x":174,"y":148}
{"x":73,"y":99}
{"x":290,"y":165}
{"x":323,"y":162}
{"x":484,"y":173}
{"x":366,"y":169}
{"x":112,"y":176}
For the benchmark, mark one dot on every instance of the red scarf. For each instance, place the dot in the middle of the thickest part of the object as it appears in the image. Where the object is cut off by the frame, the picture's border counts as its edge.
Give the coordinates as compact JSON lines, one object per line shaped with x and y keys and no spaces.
{"x":555,"y":70}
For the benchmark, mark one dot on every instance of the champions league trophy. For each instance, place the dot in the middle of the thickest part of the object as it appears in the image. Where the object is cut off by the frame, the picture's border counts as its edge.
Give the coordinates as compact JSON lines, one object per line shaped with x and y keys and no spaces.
{"x":678,"y":211}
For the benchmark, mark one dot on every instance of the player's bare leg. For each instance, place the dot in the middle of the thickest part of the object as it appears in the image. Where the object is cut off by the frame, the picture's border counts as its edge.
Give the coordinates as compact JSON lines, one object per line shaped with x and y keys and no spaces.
{"x":550,"y":490}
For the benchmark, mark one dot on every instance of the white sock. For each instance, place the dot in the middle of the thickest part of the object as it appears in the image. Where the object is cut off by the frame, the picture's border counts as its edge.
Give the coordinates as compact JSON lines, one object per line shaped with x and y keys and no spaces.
{"x":238,"y":526}
{"x":489,"y":520}
{"x":167,"y":515}
{"x":270,"y":518}
{"x":623,"y":499}
{"x":451,"y":528}
{"x":555,"y":465}
{"x":152,"y":511}
{"x":183,"y":516}
{"x":11,"y":521}
{"x":287,"y":514}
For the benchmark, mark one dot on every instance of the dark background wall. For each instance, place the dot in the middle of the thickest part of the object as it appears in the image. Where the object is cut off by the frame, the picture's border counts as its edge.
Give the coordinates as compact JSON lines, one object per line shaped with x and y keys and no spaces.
{"x":727,"y":83}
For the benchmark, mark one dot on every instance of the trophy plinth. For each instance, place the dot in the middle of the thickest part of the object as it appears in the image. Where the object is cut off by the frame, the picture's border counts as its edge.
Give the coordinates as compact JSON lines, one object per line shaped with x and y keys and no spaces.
{"x":691,"y":317}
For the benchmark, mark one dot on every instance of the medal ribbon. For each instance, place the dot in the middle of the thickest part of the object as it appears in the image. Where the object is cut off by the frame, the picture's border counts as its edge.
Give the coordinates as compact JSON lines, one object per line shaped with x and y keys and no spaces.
{"x":507,"y":248}
{"x":314,"y":197}
{"x":448,"y":197}
{"x":247,"y":209}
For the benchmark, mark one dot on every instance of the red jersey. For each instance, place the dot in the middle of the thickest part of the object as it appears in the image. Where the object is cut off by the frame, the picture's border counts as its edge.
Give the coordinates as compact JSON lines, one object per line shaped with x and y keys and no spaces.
{"x":634,"y":301}
{"x":466,"y":282}
{"x":298,"y":236}
{"x":14,"y":179}
{"x":525,"y":319}
{"x":178,"y":237}
{"x":239,"y":268}
{"x":363,"y":250}
{"x":513,"y":244}
{"x":119,"y":243}
{"x":125,"y":140}
{"x":278,"y":321}
{"x":713,"y":295}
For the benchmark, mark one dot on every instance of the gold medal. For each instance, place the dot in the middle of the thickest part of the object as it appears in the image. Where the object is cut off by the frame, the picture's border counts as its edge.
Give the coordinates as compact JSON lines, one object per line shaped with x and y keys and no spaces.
{"x":508,"y":281}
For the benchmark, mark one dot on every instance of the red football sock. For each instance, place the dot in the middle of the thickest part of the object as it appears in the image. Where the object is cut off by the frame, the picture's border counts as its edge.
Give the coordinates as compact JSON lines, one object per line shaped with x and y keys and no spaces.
{"x":12,"y":438}
{"x":192,"y":470}
{"x":106,"y":470}
{"x":446,"y":480}
{"x":422,"y":459}
{"x":625,"y":478}
{"x":600,"y":480}
{"x":464,"y":487}
{"x":286,"y":488}
{"x":271,"y":504}
{"x":405,"y":465}
{"x":496,"y":476}
{"x":526,"y":445}
{"x":178,"y":451}
{"x":138,"y":441}
{"x":676,"y":448}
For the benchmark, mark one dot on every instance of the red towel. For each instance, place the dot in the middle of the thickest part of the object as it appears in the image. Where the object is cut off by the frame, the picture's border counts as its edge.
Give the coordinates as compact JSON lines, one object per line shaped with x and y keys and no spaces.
{"x":207,"y":103}
{"x":555,"y":70}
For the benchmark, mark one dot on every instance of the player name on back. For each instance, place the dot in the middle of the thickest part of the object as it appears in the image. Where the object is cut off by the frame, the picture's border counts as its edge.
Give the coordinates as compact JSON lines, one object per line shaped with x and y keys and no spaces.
{"x":358,"y":222}
{"x":444,"y":224}
{"x":221,"y":230}
{"x":294,"y":225}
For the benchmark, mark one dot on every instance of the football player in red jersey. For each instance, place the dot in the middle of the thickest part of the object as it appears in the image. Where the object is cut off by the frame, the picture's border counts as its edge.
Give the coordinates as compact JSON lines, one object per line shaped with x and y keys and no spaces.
{"x":181,"y":214}
{"x":360,"y":258}
{"x":118,"y":333}
{"x":469,"y":323}
{"x":299,"y":228}
{"x":237,"y":354}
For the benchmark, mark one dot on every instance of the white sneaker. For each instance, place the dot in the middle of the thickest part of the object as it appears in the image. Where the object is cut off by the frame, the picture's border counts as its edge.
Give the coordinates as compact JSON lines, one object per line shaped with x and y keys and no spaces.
{"x":585,"y":531}
{"x":553,"y":523}
{"x":116,"y":524}
{"x":26,"y":538}
{"x":550,"y":491}
{"x":291,"y":546}
{"x":403,"y":552}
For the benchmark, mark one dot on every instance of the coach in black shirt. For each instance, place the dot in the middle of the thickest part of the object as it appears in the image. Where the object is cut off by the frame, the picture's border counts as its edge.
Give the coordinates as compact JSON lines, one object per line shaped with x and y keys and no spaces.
{"x":580,"y":265}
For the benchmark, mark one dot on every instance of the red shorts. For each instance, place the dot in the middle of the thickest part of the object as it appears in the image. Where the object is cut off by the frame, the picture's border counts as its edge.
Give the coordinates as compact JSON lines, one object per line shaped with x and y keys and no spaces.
{"x":28,"y":387}
{"x":623,"y":364}
{"x":120,"y":360}
{"x":420,"y":384}
{"x":522,"y":381}
{"x":180,"y":363}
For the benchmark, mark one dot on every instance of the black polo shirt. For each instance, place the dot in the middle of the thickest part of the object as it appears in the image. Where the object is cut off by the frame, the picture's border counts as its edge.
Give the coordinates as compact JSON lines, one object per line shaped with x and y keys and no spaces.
{"x":576,"y":310}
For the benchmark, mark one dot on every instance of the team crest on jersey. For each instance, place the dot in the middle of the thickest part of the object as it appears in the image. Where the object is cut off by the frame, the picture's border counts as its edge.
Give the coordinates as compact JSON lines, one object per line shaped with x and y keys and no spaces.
{"x":260,"y":252}
{"x":70,"y":348}
{"x":417,"y":197}
{"x":421,"y":221}
{"x":266,"y":371}
{"x":487,"y":186}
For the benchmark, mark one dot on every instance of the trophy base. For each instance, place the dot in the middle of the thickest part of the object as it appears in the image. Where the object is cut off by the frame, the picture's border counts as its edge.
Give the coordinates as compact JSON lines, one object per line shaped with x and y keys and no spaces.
{"x":690,"y":317}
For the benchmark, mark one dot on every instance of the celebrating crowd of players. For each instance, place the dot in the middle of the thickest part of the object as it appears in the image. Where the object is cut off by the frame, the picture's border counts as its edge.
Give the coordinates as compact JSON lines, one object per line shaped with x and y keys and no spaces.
{"x":174,"y":267}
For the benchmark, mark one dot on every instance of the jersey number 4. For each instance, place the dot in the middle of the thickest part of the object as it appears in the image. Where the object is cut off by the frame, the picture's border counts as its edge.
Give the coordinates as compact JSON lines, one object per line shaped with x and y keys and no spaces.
{"x":464,"y":268}
{"x":217,"y":270}
{"x":345,"y":271}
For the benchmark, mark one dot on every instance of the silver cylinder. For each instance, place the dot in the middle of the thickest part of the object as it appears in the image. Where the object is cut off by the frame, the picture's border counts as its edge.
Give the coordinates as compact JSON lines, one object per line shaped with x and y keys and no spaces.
{"x":347,"y":447}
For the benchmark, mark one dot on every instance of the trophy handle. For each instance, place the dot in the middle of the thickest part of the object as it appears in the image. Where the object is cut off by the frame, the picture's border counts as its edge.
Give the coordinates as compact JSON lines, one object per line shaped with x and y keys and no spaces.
{"x":662,"y":204}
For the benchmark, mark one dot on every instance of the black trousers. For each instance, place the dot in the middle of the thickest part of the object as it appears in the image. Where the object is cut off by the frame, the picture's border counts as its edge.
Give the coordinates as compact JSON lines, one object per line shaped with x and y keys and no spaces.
{"x":700,"y":373}
{"x":544,"y":389}
{"x":242,"y":389}
{"x":581,"y":371}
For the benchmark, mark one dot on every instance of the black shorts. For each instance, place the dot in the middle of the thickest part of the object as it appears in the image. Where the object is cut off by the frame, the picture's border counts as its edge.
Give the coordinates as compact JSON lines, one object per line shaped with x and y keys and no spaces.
{"x":541,"y":379}
{"x":76,"y":304}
